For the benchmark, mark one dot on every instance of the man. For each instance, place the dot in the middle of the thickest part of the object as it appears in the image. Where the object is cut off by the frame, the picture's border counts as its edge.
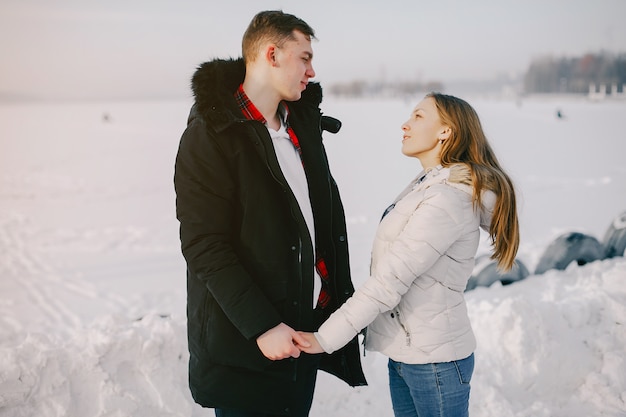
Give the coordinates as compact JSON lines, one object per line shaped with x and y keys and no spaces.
{"x":262,"y":227}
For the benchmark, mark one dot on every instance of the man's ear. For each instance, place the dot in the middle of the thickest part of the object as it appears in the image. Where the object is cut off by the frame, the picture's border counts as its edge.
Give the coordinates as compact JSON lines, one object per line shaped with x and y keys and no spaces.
{"x":270,"y":55}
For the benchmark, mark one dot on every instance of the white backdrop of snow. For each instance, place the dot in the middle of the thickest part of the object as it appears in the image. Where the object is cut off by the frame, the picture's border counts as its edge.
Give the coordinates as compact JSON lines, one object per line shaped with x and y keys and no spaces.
{"x":92,"y":317}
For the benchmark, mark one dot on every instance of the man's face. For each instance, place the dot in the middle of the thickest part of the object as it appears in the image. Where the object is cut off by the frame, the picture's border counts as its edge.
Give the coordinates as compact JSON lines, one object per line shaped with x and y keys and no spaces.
{"x":293,"y":62}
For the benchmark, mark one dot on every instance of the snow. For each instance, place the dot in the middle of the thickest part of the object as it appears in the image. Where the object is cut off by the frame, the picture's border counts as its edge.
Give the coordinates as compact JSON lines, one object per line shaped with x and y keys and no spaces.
{"x":92,"y":313}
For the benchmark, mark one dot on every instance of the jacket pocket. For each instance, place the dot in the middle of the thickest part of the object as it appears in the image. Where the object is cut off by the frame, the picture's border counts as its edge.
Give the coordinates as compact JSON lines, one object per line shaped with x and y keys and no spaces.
{"x":275,"y":292}
{"x":226,"y":345}
{"x":465,"y":369}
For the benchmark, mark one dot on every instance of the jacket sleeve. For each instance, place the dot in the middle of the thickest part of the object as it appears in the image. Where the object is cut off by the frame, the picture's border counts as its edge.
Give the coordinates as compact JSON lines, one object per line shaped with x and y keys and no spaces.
{"x":429,"y":232}
{"x":205,"y":193}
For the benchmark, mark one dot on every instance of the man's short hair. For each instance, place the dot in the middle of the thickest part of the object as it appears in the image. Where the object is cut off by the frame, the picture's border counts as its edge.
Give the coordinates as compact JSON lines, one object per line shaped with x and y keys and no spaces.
{"x":272,"y":26}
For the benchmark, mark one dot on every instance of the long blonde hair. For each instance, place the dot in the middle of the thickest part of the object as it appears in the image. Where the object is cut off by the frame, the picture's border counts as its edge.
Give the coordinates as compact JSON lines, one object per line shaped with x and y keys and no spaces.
{"x":468,"y":144}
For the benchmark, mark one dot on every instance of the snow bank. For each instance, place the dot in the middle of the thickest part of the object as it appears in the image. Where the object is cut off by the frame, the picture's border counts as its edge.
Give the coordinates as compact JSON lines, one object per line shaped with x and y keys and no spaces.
{"x":551,"y":345}
{"x":115,"y":367}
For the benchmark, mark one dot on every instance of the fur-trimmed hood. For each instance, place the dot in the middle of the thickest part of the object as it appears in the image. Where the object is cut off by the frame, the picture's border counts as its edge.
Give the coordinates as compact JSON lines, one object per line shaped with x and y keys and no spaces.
{"x":215,"y":82}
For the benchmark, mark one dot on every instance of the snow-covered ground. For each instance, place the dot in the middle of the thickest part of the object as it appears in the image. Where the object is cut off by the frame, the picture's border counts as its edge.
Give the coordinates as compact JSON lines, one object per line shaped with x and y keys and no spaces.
{"x":92,"y":312}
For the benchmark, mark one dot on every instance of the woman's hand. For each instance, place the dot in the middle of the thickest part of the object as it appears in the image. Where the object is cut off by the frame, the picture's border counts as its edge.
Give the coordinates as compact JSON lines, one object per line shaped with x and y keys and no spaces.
{"x":314,"y":345}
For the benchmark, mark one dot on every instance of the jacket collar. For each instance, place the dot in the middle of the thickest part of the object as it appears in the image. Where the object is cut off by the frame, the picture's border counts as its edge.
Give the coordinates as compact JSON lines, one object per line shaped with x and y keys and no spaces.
{"x":215,"y":82}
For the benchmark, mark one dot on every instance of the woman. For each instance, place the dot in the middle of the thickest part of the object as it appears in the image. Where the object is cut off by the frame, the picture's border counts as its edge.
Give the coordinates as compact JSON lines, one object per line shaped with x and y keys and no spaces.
{"x":422,"y":257}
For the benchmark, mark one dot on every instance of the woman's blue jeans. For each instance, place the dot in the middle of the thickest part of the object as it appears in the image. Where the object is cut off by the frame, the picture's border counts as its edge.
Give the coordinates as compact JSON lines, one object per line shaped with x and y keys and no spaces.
{"x":431,"y":390}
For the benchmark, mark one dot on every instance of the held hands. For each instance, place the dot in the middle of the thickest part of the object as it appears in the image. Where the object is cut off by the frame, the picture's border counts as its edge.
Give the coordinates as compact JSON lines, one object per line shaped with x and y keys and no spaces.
{"x":282,"y":342}
{"x":313,"y":345}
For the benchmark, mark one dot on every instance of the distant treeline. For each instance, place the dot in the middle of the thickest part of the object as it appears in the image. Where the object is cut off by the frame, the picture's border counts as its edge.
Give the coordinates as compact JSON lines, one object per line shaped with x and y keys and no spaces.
{"x":545,"y":75}
{"x":575,"y":75}
{"x":392,"y":89}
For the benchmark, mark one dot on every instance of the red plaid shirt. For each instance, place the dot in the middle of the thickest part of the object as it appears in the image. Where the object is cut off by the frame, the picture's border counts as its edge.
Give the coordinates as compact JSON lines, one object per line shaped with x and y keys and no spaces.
{"x":250,"y":112}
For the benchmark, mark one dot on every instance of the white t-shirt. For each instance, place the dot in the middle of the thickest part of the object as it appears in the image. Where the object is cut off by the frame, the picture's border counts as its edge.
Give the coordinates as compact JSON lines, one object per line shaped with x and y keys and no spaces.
{"x":291,"y":166}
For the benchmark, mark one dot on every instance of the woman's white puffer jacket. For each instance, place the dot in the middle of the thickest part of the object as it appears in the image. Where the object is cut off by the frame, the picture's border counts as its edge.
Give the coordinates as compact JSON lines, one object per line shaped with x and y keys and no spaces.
{"x":422,"y":257}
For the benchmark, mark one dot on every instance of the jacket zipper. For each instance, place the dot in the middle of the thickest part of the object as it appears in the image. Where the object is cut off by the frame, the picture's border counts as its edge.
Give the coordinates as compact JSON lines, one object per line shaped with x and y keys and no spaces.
{"x":299,"y":257}
{"x":406,"y":332}
{"x":299,"y":254}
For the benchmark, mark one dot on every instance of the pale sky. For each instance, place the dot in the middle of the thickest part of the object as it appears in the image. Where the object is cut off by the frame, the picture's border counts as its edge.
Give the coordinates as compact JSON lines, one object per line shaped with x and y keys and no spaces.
{"x":150,"y":48}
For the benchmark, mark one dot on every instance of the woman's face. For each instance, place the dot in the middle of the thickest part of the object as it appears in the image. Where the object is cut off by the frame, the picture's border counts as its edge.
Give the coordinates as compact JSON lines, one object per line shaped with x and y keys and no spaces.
{"x":422,"y":132}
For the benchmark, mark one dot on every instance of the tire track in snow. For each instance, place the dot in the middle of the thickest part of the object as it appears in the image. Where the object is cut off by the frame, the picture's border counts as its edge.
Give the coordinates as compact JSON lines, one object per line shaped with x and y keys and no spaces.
{"x":40,"y":291}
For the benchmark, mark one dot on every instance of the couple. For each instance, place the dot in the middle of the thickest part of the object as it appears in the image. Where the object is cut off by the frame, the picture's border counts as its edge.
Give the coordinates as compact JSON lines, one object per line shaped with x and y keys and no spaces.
{"x":269,"y":294}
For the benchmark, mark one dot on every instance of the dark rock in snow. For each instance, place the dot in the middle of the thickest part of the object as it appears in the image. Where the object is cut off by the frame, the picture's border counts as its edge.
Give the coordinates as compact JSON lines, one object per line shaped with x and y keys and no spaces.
{"x":570,"y":247}
{"x":487,"y":273}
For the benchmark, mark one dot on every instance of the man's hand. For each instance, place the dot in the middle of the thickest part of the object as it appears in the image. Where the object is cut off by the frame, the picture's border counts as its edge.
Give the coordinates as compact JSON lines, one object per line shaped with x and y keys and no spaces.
{"x":313,"y":345}
{"x":280,"y":343}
